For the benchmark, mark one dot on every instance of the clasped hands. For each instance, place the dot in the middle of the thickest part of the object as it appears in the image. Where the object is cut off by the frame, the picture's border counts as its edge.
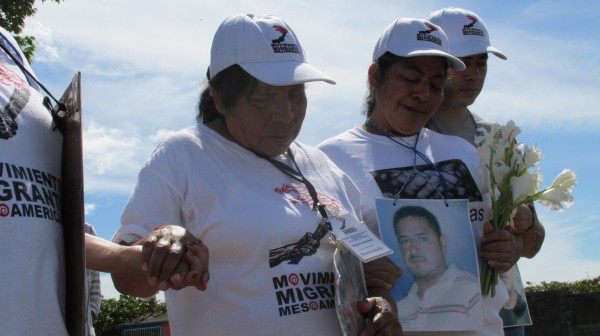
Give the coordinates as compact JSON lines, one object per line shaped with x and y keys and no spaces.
{"x":173,"y":258}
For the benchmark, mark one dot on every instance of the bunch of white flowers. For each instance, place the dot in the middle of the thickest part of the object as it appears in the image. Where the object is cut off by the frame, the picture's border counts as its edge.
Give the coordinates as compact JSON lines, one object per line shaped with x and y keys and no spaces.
{"x":509,"y":173}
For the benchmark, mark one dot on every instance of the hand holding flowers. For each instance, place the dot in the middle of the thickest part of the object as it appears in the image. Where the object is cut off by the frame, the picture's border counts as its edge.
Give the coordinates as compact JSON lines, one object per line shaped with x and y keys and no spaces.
{"x":506,"y":171}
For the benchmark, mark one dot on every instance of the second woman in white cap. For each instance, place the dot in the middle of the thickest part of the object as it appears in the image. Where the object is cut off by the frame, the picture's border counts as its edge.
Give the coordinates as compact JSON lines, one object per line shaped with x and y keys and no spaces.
{"x":393,"y":155}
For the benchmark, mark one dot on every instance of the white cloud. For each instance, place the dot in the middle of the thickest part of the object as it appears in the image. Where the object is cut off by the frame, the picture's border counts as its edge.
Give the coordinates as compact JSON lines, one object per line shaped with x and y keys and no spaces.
{"x":113,"y":157}
{"x":89,"y":208}
{"x":46,"y":51}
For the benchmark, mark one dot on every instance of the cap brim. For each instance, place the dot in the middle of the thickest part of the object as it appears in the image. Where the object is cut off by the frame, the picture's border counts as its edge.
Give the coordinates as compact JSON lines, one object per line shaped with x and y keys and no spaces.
{"x":469,"y":49}
{"x":496,"y":52}
{"x":454,"y":62}
{"x":285,"y":73}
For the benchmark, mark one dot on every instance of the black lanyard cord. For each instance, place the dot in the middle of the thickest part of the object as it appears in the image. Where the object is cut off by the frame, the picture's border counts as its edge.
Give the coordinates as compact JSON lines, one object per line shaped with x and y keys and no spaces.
{"x":297,"y":175}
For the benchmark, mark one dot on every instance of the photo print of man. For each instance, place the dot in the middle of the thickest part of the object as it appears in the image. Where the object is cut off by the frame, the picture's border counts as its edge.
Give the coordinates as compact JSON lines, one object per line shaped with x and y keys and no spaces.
{"x":434,"y":246}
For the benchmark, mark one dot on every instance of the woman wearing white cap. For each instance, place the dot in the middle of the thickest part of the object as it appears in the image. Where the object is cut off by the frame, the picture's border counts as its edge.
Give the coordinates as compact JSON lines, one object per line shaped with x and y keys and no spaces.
{"x":256,"y":198}
{"x":406,"y":84}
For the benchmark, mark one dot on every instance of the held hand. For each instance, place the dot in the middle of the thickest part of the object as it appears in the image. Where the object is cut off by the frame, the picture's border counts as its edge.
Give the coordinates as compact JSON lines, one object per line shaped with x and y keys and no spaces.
{"x":381,"y":273}
{"x":197,"y":257}
{"x":195,"y":268}
{"x":162,"y":254}
{"x":529,"y":229}
{"x":523,"y":220}
{"x":382,"y":320}
{"x":500,"y":248}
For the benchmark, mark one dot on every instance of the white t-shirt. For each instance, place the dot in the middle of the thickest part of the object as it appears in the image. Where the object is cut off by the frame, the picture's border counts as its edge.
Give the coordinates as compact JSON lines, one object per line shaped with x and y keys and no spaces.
{"x":379,"y":167}
{"x":31,"y":243}
{"x":271,"y":269}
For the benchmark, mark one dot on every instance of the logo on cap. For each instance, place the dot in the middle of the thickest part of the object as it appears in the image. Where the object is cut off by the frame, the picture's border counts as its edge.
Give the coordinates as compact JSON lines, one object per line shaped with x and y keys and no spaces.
{"x":425,"y":35}
{"x":468,"y":28}
{"x":278,"y":44}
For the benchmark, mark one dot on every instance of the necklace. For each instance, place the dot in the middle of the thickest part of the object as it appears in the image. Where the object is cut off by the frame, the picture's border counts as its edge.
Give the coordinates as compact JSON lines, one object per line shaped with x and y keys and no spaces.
{"x":405,"y":144}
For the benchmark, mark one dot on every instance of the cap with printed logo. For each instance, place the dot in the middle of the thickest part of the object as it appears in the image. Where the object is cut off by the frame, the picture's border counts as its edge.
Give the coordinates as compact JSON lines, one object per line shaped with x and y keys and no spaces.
{"x":265,"y":47}
{"x":408,"y":37}
{"x":466,"y":32}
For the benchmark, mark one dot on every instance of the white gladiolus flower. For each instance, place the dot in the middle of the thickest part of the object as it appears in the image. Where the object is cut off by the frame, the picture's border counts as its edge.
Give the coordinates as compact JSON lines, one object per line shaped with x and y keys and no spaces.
{"x":538,"y":178}
{"x":510,"y":130}
{"x":554,"y":197}
{"x":500,"y":172}
{"x":518,"y":158}
{"x":484,"y":154}
{"x":532,"y":155}
{"x":517,"y":162}
{"x":513,"y":184}
{"x":566,"y":179}
{"x":501,"y":146}
{"x":523,"y":186}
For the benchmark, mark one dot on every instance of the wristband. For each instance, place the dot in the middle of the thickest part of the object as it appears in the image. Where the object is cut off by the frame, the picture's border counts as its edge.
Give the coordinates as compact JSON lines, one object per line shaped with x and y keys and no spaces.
{"x":532,"y":209}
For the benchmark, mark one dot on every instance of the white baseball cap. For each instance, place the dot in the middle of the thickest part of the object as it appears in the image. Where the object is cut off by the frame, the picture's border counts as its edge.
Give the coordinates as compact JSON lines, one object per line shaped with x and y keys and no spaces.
{"x":466,"y":32}
{"x":408,"y":37}
{"x":265,"y":47}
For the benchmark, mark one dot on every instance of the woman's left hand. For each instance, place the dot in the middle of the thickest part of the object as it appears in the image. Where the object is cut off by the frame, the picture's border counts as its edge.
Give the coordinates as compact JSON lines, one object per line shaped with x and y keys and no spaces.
{"x":523,"y":220}
{"x":382,"y":318}
{"x":500,"y":249}
{"x":381,"y":273}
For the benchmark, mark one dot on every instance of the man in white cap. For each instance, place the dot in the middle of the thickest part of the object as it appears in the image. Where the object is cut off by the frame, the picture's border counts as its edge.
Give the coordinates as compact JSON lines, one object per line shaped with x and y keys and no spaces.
{"x":469,"y":41}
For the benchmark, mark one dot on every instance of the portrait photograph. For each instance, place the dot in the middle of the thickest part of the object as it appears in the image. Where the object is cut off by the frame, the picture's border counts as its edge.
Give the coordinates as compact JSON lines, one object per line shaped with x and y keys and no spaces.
{"x":433,"y":244}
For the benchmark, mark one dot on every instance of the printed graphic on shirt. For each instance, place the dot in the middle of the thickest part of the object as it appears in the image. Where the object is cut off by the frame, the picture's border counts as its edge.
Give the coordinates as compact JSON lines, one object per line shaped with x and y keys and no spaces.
{"x":304,"y":292}
{"x":19,"y":97}
{"x":423,"y":182}
{"x":29,"y":192}
{"x":308,"y":244}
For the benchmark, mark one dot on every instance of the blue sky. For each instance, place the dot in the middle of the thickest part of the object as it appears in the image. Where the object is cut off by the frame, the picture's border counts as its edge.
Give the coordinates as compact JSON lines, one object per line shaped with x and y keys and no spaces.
{"x":143,"y":64}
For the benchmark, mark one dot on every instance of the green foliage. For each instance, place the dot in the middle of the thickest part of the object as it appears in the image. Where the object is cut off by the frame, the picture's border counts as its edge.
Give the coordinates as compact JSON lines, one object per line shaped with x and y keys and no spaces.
{"x":124,"y":310}
{"x":27,"y":46}
{"x":13,"y":14}
{"x":578,"y":287}
{"x":12,"y":18}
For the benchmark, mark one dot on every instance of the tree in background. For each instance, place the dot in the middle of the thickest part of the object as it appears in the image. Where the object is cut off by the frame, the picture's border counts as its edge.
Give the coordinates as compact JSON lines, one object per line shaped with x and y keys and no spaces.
{"x":12,"y":18}
{"x":124,"y":310}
